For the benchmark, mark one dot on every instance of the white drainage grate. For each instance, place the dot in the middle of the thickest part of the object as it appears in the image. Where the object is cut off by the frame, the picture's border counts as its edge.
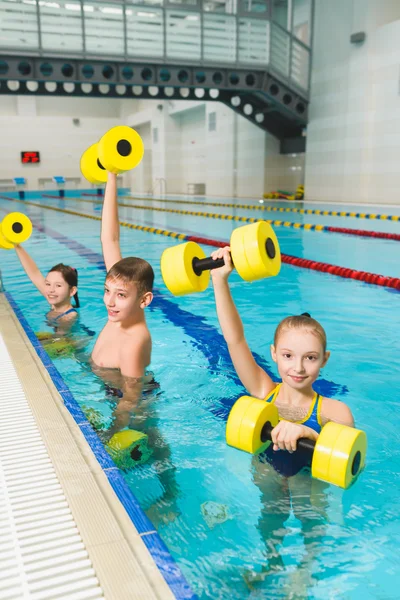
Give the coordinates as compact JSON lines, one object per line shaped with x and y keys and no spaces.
{"x":42,"y":556}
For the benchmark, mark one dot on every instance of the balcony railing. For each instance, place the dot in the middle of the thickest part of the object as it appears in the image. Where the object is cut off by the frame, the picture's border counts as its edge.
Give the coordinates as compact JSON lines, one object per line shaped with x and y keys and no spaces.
{"x":182,"y":33}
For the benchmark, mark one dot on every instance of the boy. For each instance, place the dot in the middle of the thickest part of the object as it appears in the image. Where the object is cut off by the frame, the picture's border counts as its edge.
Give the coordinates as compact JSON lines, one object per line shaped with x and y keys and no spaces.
{"x":125,"y":341}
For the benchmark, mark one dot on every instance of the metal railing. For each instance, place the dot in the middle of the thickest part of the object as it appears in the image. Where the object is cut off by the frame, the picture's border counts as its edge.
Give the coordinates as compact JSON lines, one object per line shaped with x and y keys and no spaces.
{"x":182,"y":34}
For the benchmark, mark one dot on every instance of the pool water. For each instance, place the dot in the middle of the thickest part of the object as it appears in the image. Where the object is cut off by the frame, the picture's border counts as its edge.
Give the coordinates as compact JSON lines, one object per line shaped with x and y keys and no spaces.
{"x":237,"y":529}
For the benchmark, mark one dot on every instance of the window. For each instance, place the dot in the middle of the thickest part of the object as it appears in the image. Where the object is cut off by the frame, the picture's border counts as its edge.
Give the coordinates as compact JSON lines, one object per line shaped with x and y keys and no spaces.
{"x":302,"y":20}
{"x":280,"y":13}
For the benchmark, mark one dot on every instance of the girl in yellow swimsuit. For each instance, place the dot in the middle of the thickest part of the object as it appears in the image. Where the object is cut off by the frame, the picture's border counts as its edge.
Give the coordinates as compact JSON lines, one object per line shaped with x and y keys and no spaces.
{"x":299,"y":351}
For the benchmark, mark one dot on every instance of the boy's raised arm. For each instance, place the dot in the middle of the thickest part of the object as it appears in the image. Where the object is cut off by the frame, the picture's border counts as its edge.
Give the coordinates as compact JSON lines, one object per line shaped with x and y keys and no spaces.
{"x":110,"y":224}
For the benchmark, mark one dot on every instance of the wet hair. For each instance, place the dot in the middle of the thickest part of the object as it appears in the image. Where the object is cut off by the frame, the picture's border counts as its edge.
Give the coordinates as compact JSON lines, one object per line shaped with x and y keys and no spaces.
{"x":70,"y":276}
{"x":133,"y":270}
{"x":303,"y":321}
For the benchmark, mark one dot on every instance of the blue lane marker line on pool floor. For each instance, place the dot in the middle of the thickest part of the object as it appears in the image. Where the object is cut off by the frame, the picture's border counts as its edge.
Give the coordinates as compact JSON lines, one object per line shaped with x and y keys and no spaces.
{"x":205,"y":336}
{"x":160,"y":553}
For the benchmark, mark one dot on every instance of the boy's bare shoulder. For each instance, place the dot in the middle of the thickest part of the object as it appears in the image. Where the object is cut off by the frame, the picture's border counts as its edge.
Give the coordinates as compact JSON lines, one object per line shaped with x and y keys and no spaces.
{"x":135,"y":352}
{"x":138,"y":338}
{"x":335,"y":410}
{"x":138,"y":333}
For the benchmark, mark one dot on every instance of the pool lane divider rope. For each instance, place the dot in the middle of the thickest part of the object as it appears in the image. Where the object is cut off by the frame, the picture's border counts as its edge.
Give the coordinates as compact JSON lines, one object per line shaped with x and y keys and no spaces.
{"x":306,"y":226}
{"x":301,"y":211}
{"x":205,"y":335}
{"x":304,"y":263}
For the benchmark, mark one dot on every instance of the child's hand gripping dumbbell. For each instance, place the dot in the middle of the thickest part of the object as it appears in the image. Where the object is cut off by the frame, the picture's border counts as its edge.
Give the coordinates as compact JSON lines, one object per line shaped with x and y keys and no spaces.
{"x":255,"y":253}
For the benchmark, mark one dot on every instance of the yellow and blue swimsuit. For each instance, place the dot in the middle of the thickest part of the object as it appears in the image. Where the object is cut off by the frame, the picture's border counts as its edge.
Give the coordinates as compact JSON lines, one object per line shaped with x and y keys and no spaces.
{"x":283,"y":462}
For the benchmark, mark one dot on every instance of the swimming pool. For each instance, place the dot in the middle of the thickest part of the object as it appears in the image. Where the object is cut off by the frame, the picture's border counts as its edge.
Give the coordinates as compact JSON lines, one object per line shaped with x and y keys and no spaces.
{"x":225,"y":521}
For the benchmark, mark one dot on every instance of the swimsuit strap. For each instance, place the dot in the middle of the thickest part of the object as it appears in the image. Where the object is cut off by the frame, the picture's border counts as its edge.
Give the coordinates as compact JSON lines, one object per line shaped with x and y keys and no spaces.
{"x":271,"y":397}
{"x":314,"y":419}
{"x":67,"y":312}
{"x":313,"y":416}
{"x":310,"y":412}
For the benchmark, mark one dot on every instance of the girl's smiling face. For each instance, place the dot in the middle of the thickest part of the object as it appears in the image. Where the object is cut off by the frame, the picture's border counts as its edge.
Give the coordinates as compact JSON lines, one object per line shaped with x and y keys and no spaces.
{"x":299,"y":356}
{"x":58,"y":292}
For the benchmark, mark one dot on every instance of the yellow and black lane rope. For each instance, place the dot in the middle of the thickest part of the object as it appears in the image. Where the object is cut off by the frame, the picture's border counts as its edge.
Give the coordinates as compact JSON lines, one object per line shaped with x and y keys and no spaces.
{"x":173,"y":234}
{"x":306,"y":226}
{"x":301,"y":211}
{"x":305,"y":263}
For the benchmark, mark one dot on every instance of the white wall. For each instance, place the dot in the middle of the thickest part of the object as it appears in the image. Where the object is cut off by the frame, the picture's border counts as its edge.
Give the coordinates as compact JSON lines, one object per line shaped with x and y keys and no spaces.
{"x":250,"y":161}
{"x":220,"y":150}
{"x":237,"y":159}
{"x":192,"y":145}
{"x":353,"y":138}
{"x":141,"y":177}
{"x":45,"y":124}
{"x":171,"y":148}
{"x":282,"y":171}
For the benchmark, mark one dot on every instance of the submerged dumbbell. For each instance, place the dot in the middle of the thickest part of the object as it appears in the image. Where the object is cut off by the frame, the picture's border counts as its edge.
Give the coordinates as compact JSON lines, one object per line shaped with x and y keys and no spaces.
{"x":15,"y":228}
{"x":338,"y":455}
{"x":255,"y":254}
{"x":119,"y":150}
{"x":57,"y":347}
{"x":129,"y":448}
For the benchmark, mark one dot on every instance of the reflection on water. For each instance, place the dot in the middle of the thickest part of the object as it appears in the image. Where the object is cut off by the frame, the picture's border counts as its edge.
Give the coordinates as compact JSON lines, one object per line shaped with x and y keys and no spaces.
{"x":237,"y":529}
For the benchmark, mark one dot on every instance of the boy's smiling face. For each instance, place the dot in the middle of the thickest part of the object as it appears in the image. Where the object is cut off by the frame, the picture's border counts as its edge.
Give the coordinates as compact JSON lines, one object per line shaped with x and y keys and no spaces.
{"x":121,"y":299}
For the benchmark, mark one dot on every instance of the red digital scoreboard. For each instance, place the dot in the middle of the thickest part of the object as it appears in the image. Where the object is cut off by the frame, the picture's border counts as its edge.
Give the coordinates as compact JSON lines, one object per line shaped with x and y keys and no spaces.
{"x":30,"y":157}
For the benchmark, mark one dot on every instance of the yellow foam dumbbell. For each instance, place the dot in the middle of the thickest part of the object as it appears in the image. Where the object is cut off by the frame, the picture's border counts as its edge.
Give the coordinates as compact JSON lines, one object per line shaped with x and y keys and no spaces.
{"x":129,"y":448}
{"x":120,"y":149}
{"x":255,"y":254}
{"x":91,"y":167}
{"x":337,"y":457}
{"x":15,"y":228}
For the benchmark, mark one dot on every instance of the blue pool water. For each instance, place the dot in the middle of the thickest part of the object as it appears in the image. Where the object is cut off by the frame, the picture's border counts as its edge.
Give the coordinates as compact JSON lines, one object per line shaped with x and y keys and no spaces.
{"x":276,"y":538}
{"x":364,"y":254}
